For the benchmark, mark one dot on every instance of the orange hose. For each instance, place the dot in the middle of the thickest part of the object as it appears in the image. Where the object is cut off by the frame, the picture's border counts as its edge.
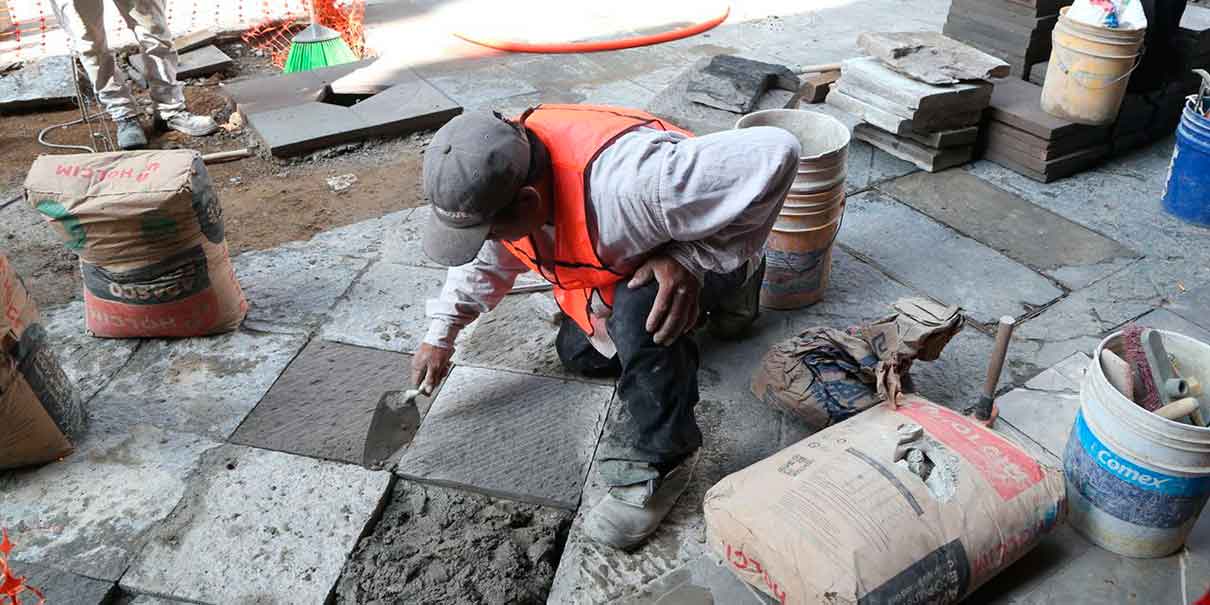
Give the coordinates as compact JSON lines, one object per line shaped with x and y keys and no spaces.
{"x":592,"y":47}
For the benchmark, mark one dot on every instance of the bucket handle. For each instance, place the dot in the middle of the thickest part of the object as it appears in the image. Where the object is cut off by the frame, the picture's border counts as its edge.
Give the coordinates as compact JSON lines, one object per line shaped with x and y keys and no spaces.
{"x":1138,"y":59}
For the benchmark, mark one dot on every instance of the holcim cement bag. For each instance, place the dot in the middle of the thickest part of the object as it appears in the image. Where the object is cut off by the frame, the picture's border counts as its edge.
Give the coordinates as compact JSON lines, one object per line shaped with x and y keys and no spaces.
{"x":40,"y":410}
{"x":909,"y":505}
{"x":149,"y":232}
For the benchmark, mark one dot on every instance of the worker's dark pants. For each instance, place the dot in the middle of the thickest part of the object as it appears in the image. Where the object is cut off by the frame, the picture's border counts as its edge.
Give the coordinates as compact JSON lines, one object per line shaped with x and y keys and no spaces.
{"x":657,"y":384}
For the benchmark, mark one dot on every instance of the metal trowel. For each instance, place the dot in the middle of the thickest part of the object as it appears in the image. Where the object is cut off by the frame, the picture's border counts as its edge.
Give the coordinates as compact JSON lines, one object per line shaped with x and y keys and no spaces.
{"x":392,"y":426}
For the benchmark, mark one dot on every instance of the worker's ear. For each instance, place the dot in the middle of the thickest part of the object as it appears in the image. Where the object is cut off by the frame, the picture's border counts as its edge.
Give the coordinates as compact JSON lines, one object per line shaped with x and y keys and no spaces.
{"x":529,"y":201}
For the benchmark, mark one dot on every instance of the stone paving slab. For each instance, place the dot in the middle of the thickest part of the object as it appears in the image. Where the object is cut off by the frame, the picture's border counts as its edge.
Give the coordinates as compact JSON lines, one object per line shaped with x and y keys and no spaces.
{"x":44,"y":83}
{"x":273,"y":519}
{"x":385,"y":308}
{"x":364,"y":239}
{"x":924,"y":157}
{"x":1120,"y":198}
{"x":89,"y":513}
{"x":402,"y":243}
{"x":1193,"y":305}
{"x":1035,"y":570}
{"x":516,"y":336}
{"x":949,"y":267}
{"x":203,"y":386}
{"x":292,"y":288}
{"x":193,"y":64}
{"x":672,"y":103}
{"x":508,"y":435}
{"x":1079,"y":321}
{"x":1046,"y":415}
{"x":480,"y":88}
{"x":322,"y":404}
{"x":1007,"y":223}
{"x":88,"y":361}
{"x":63,"y":588}
{"x":440,"y":545}
{"x":259,"y":94}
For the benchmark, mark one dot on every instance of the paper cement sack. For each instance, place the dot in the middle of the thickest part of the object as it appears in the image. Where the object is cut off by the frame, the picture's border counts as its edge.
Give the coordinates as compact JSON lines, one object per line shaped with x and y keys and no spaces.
{"x":149,"y":232}
{"x":40,"y":409}
{"x":844,"y":516}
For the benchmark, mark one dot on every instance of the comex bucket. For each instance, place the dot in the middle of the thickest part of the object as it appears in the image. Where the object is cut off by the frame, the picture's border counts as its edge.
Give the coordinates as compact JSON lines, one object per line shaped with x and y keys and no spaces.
{"x":1136,"y":482}
{"x":799,"y":251}
{"x":1187,"y":192}
{"x":1089,"y":69}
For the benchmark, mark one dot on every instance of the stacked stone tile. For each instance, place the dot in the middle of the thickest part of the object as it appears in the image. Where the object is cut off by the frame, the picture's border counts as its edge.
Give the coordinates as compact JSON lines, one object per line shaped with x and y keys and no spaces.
{"x":1023,"y":138}
{"x":1016,"y":31}
{"x":934,"y":127}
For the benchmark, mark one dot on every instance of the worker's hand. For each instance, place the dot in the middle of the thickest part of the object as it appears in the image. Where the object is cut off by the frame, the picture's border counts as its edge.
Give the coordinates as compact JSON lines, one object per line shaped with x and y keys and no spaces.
{"x":675,"y":310}
{"x":429,"y":366}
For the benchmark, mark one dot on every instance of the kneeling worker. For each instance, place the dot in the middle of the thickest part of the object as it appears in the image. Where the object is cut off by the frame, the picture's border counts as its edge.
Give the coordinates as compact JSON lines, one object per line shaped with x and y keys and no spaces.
{"x":641,"y":227}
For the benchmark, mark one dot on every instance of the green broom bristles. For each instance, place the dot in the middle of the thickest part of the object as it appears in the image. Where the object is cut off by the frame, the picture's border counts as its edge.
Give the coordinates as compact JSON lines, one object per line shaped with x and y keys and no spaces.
{"x":317,"y":46}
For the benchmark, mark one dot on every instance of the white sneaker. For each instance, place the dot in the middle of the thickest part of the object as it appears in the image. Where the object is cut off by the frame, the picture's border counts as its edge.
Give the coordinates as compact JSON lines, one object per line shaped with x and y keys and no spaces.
{"x":188,"y":123}
{"x":627,"y":515}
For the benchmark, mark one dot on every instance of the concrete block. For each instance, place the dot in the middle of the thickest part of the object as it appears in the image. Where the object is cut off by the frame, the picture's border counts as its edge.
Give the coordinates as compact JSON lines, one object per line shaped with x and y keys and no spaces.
{"x":1001,"y":134}
{"x":273,"y":519}
{"x":258,"y":95}
{"x":945,"y":265}
{"x":193,"y":64}
{"x":88,"y":361}
{"x":322,"y":404}
{"x":203,"y":386}
{"x":924,"y":157}
{"x":1004,"y":221}
{"x":42,"y":84}
{"x":525,"y":438}
{"x":439,"y":545}
{"x":516,"y":336}
{"x":61,"y":587}
{"x":932,"y":58}
{"x":292,"y":288}
{"x":89,"y":514}
{"x":385,"y":308}
{"x":919,"y":100}
{"x":879,"y":117}
{"x":1046,"y":416}
{"x":194,"y":39}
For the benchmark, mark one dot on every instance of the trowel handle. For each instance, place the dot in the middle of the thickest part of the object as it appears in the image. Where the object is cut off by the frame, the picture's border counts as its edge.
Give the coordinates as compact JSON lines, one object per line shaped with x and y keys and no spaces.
{"x":1004,"y":333}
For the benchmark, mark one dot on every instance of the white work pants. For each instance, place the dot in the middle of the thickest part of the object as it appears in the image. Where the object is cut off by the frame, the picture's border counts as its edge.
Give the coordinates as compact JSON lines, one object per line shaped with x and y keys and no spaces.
{"x":85,"y":23}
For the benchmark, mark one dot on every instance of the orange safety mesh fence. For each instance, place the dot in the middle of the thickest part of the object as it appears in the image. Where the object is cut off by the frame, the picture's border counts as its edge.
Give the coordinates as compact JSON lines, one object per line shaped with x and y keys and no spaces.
{"x":11,"y":586}
{"x":347,"y":17}
{"x":29,"y":29}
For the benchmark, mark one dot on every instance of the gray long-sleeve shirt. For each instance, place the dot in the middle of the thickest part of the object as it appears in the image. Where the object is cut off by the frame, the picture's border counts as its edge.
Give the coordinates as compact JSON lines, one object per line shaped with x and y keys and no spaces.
{"x":708,"y":202}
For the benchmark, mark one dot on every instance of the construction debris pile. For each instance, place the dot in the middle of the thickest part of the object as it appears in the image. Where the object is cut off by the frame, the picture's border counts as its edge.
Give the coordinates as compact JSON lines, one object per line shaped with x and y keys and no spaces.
{"x":1017,"y":32}
{"x":921,"y":96}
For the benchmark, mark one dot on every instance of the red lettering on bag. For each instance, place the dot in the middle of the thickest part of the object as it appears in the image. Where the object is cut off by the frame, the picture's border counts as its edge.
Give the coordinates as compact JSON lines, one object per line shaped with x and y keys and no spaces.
{"x":1009,"y":469}
{"x":743,"y":562}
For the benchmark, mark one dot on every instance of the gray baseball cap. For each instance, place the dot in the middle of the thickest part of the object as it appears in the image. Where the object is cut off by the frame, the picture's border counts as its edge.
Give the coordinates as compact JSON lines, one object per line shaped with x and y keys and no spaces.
{"x":473,"y":169}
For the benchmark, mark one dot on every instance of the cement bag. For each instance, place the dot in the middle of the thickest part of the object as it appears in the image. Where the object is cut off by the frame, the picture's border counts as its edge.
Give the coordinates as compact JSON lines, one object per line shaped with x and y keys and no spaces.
{"x":149,"y":232}
{"x":40,"y":409}
{"x":908,"y":505}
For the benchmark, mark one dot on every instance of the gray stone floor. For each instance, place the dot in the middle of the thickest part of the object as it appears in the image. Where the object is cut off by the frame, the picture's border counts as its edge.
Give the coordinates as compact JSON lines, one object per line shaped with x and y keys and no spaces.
{"x":193,"y":486}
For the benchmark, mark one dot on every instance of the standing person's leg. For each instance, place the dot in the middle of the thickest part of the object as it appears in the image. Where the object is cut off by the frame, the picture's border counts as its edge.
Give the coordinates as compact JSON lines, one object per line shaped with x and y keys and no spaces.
{"x":652,"y":454}
{"x":149,"y":21}
{"x":84,"y":22}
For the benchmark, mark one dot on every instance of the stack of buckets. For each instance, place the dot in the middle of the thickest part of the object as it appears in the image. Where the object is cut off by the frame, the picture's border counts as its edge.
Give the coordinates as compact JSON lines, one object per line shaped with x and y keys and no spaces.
{"x":1089,"y":69}
{"x":799,"y":250}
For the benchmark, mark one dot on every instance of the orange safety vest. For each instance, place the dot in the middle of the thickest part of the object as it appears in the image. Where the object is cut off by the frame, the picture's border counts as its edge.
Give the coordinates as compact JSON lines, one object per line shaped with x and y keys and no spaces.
{"x":575,"y":135}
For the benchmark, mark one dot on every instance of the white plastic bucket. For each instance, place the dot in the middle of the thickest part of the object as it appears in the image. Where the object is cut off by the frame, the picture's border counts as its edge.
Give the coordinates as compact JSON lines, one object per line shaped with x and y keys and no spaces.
{"x":1136,"y":482}
{"x":824,"y":141}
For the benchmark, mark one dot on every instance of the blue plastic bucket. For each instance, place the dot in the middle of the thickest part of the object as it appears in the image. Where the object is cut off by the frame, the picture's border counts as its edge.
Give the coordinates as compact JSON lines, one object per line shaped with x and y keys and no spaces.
{"x":1136,"y":481}
{"x":1187,"y":194}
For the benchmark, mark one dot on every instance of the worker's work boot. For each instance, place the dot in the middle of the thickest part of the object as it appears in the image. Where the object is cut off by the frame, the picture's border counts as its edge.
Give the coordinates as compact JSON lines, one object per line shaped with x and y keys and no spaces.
{"x":737,"y":310}
{"x":628,"y":514}
{"x":130,"y":134}
{"x":187,"y":123}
